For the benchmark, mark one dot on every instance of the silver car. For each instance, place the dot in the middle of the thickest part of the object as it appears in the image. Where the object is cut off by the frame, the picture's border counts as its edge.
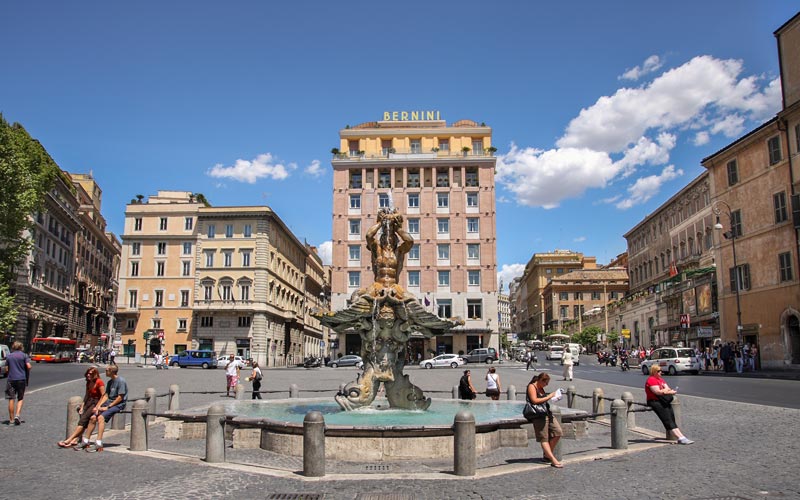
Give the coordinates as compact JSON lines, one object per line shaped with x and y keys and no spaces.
{"x":672,"y":360}
{"x":451,"y":360}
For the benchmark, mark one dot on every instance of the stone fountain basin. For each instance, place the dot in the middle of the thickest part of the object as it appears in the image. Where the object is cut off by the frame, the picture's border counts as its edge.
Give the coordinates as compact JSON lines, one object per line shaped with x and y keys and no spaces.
{"x":375,"y":434}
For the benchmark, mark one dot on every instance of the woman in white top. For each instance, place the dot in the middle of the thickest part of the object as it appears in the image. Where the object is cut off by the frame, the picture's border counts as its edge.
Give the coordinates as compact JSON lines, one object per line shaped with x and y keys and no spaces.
{"x":566,"y":360}
{"x":255,"y":377}
{"x":493,"y":384}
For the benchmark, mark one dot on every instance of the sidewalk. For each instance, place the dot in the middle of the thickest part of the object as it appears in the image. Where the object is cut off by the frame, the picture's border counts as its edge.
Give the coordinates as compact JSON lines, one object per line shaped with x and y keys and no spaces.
{"x":773,"y":373}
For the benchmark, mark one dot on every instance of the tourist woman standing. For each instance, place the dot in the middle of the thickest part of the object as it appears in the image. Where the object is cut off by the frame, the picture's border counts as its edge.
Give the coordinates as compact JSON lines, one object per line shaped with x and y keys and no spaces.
{"x":547,"y":429}
{"x":493,"y":384}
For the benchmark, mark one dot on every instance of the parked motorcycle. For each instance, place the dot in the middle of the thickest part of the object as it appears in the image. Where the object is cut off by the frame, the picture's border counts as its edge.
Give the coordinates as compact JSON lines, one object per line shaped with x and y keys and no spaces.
{"x":312,"y":362}
{"x":611,"y":360}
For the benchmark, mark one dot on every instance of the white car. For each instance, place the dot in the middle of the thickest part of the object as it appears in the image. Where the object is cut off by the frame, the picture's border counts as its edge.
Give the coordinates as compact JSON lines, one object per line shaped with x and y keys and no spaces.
{"x":672,"y":360}
{"x":554,"y":352}
{"x":222,"y":361}
{"x":451,"y":360}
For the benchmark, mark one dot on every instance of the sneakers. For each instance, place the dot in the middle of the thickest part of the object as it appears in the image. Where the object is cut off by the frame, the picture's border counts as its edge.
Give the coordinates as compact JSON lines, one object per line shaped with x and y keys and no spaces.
{"x":685,"y":440}
{"x":82,"y":446}
{"x":17,"y":421}
{"x":94,"y":448}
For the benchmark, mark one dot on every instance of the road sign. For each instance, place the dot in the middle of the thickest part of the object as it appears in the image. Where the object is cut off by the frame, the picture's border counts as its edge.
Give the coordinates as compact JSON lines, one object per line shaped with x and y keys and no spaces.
{"x":161,"y":334}
{"x":685,"y":321}
{"x":626,"y":333}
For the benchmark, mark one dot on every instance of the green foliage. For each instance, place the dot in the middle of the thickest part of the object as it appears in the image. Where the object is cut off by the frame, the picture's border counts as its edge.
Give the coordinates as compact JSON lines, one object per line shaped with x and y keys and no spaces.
{"x":612,"y":337}
{"x":34,"y":173}
{"x":8,"y":313}
{"x":547,"y":333}
{"x":588,"y":336}
{"x":200,"y":197}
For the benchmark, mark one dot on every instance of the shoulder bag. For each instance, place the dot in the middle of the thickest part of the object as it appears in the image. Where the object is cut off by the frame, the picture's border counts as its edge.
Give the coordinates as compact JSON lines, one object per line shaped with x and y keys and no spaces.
{"x":534,"y":411}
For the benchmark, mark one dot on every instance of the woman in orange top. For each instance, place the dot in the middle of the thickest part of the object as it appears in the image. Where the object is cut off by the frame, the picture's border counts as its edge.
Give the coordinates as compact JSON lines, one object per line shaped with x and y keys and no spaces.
{"x":94,"y":391}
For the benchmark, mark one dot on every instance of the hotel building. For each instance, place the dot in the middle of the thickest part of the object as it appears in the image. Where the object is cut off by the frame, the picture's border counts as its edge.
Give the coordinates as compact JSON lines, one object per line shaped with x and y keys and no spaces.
{"x":441,"y":178}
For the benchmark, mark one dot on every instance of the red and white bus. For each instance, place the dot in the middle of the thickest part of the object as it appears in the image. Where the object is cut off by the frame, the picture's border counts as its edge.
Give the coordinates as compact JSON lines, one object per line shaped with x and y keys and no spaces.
{"x":53,"y":349}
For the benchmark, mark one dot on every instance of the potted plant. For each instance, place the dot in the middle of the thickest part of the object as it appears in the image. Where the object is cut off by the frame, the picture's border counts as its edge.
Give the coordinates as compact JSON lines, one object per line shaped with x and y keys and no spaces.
{"x":466,"y":150}
{"x":391,"y":150}
{"x":360,"y":153}
{"x":435,"y":150}
{"x":335,"y":152}
{"x":492,"y":150}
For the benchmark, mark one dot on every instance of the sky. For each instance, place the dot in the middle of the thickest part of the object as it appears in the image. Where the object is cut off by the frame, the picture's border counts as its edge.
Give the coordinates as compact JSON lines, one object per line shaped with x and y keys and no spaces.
{"x":601,"y":111}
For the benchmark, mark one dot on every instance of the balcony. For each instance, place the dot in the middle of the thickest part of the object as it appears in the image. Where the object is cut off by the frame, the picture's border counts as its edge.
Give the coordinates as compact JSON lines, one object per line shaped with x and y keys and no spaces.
{"x":411,"y":154}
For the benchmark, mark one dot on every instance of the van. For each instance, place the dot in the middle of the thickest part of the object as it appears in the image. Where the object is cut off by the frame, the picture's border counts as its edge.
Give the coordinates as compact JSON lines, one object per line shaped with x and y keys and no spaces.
{"x":202,"y":358}
{"x":4,"y":352}
{"x":481,"y":355}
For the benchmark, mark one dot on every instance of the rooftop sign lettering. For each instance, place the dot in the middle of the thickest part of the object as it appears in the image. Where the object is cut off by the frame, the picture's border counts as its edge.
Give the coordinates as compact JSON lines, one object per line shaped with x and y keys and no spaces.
{"x":410,"y":116}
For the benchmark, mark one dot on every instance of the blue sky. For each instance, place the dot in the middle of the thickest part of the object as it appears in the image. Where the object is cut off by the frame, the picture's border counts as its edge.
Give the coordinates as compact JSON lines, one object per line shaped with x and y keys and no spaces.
{"x":600,"y":110}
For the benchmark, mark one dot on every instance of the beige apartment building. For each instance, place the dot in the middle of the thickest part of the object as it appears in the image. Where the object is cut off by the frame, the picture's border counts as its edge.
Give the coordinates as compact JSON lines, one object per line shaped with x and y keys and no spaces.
{"x":440,"y":176}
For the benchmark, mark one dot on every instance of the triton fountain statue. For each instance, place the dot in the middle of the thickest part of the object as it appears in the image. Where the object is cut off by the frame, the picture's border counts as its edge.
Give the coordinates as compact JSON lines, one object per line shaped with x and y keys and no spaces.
{"x":385,"y":316}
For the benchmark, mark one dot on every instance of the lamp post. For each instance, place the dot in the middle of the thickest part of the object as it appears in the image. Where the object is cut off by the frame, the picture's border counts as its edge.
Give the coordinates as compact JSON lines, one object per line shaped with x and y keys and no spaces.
{"x":731,"y":235}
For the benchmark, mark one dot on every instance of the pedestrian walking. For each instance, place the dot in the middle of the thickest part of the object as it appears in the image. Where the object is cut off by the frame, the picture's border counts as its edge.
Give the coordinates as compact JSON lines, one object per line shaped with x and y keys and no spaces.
{"x":547,"y":429}
{"x":18,"y":369}
{"x":111,"y":403}
{"x":528,"y":360}
{"x":659,"y":398}
{"x":94,"y":391}
{"x":493,"y":384}
{"x":255,"y":377}
{"x":566,"y":359}
{"x":111,"y":356}
{"x":465,"y":388}
{"x":232,"y":374}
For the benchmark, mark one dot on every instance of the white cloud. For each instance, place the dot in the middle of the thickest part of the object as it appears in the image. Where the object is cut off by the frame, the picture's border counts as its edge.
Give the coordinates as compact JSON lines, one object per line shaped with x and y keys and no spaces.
{"x":652,"y":63}
{"x":579,"y":239}
{"x":730,"y":126}
{"x":325,"y":250}
{"x":250,"y":171}
{"x":701,"y":138}
{"x":315,"y":169}
{"x":508,"y":272}
{"x":647,"y":187}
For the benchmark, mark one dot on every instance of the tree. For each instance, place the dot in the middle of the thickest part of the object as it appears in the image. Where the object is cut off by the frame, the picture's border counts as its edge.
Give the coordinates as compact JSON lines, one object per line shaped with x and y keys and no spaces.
{"x":612,"y":337}
{"x":8,"y":313}
{"x":200,"y":197}
{"x":588,"y":336}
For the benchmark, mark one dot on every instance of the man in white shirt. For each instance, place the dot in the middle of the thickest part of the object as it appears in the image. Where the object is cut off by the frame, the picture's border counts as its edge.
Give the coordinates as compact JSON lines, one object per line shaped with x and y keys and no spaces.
{"x":232,"y":374}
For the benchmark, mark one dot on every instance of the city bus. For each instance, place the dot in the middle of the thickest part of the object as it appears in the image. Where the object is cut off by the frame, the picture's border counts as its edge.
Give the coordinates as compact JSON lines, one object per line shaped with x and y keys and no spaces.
{"x":53,"y":349}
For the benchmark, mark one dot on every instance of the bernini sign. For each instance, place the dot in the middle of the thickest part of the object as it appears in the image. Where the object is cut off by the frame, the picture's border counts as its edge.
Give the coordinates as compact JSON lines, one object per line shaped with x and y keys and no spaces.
{"x":410,"y":116}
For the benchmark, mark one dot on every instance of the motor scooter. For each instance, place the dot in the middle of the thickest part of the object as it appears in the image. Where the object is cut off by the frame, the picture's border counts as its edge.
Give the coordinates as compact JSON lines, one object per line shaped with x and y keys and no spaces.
{"x":312,"y":362}
{"x":623,"y":364}
{"x":611,"y":360}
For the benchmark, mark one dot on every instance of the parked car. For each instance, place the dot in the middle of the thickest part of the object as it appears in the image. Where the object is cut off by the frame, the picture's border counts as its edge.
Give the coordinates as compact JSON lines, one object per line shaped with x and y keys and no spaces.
{"x":223,"y":361}
{"x":451,"y":360}
{"x":481,"y":355}
{"x":348,"y":360}
{"x":554,"y":352}
{"x":672,"y":360}
{"x":194,"y":357}
{"x":4,"y":352}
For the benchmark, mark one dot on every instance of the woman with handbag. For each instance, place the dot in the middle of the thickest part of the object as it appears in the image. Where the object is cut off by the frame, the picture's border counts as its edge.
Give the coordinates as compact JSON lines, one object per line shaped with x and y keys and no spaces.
{"x":659,"y":398}
{"x":493,"y":384}
{"x":465,"y":388}
{"x":547,"y":429}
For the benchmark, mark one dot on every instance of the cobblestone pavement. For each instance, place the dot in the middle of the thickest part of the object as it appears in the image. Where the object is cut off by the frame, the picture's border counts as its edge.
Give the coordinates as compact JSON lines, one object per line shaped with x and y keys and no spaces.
{"x":742,"y":451}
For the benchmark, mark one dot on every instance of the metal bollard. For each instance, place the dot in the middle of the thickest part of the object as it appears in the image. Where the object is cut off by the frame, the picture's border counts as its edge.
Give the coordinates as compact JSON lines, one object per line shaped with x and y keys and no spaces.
{"x":677,"y":411}
{"x":619,"y":425}
{"x":215,"y":434}
{"x":464,"y":444}
{"x":72,"y":414}
{"x":454,"y":392}
{"x":314,"y":444}
{"x":571,"y":396}
{"x":598,"y":403}
{"x":294,"y":392}
{"x":139,"y":426}
{"x":628,"y":398}
{"x":150,"y":397}
{"x":238,"y":392}
{"x":511,"y":393}
{"x":556,"y":411}
{"x":174,"y":397}
{"x":118,"y":422}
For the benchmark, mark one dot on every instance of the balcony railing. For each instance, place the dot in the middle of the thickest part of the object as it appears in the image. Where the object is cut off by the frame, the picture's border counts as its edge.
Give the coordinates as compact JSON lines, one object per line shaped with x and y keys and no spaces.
{"x":412,"y":154}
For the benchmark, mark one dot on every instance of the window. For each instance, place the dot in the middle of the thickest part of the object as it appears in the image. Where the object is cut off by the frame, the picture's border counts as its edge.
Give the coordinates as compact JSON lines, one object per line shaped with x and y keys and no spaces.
{"x":474,"y":309}
{"x":595,"y":295}
{"x":130,"y":324}
{"x":227,"y":258}
{"x":245,"y":292}
{"x":384,"y":179}
{"x":355,"y":201}
{"x":229,"y":230}
{"x":442,"y":178}
{"x":354,"y":252}
{"x":355,"y":226}
{"x":474,"y":277}
{"x":444,"y":144}
{"x":383,"y":201}
{"x":472,"y":225}
{"x":797,"y":138}
{"x":188,"y":223}
{"x":445,"y":308}
{"x":159,"y":298}
{"x":212,"y":231}
{"x":413,"y":278}
{"x":477,"y":147}
{"x":208,"y":292}
{"x":413,"y":200}
{"x":471,"y":179}
{"x":186,"y":267}
{"x":413,"y":226}
{"x":246,"y":259}
{"x":227,"y":292}
{"x":416,"y":146}
{"x":354,"y":279}
{"x":563,"y":296}
{"x":472,"y":199}
{"x":413,"y":179}
{"x":563,"y":312}
{"x":244,"y":321}
{"x":774,"y":148}
{"x":740,"y":277}
{"x":136,"y":248}
{"x":162,"y":248}
{"x":210,"y":259}
{"x":736,"y":223}
{"x":444,"y":278}
{"x":413,"y":253}
{"x":577,"y":296}
{"x":443,"y":226}
{"x":473,"y":251}
{"x":187,"y":248}
{"x":733,"y":173}
{"x":162,"y":226}
{"x":779,"y":201}
{"x":137,"y":224}
{"x":133,"y":298}
{"x":207,"y":321}
{"x":355,"y":180}
{"x":443,"y":251}
{"x":576,"y":311}
{"x":181,"y":324}
{"x":134,"y":269}
{"x":248,"y":230}
{"x":159,"y":269}
{"x":442,"y":200}
{"x":613,"y":295}
{"x":785,"y":265}
{"x":156,"y":322}
{"x":184,"y":298}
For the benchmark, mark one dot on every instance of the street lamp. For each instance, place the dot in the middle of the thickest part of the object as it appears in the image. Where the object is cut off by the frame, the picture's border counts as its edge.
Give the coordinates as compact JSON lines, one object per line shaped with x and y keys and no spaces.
{"x":731,"y":235}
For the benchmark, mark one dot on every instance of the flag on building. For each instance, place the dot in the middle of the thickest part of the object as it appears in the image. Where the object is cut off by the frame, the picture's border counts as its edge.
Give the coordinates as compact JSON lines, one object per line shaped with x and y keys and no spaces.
{"x":673,"y":269}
